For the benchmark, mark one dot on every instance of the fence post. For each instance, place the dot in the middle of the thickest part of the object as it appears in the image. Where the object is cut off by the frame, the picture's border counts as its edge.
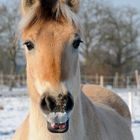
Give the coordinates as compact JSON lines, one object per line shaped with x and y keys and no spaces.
{"x":1,"y":78}
{"x":127,"y":81}
{"x":20,"y":80}
{"x":101,"y":81}
{"x":115,"y":81}
{"x":137,"y":79}
{"x":130,"y":103}
{"x":23,"y":79}
{"x":97,"y":79}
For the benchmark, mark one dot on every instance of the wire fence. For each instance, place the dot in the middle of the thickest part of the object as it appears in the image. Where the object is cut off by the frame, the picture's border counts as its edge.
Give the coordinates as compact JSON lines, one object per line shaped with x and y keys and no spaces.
{"x":12,"y":80}
{"x":115,"y":81}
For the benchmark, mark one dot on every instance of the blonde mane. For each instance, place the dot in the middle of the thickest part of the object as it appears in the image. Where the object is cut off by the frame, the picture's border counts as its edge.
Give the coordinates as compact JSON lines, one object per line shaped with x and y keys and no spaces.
{"x":62,"y":12}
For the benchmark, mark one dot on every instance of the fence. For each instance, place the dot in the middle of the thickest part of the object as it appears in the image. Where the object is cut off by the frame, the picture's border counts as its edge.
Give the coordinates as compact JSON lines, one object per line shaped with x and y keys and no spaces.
{"x":122,"y":81}
{"x":115,"y":81}
{"x":12,"y":80}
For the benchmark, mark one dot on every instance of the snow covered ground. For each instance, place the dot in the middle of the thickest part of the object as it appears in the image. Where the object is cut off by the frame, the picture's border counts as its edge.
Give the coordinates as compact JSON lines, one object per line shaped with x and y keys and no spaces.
{"x":14,"y":107}
{"x":135,"y":108}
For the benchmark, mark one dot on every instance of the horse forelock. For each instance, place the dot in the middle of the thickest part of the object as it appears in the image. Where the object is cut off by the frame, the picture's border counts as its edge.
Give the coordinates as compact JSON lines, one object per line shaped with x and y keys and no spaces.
{"x":60,"y":13}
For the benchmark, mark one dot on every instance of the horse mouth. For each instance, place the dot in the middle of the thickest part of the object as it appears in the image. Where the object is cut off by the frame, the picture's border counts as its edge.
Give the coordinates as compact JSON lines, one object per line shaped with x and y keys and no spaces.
{"x":58,"y":127}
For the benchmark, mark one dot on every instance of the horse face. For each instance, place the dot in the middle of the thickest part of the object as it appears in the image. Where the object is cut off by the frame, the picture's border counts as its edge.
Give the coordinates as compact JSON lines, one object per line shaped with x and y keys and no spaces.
{"x":51,"y":39}
{"x":52,"y":69}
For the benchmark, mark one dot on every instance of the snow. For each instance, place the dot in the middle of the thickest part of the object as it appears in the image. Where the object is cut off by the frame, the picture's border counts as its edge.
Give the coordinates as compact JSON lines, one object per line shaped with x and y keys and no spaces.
{"x":14,"y":108}
{"x":15,"y":104}
{"x":135,"y":112}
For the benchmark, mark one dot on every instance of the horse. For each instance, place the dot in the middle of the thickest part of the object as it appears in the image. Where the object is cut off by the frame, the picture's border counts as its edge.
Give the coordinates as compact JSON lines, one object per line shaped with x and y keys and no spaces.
{"x":58,"y":107}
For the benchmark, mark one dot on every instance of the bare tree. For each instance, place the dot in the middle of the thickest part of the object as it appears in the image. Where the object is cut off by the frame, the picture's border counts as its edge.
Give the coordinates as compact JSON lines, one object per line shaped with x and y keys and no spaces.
{"x":119,"y":39}
{"x":8,"y":31}
{"x":111,"y":38}
{"x":9,"y":46}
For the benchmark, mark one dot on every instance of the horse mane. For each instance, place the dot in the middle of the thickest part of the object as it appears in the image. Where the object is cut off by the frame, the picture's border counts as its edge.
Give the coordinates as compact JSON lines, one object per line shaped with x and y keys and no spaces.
{"x":61,"y":12}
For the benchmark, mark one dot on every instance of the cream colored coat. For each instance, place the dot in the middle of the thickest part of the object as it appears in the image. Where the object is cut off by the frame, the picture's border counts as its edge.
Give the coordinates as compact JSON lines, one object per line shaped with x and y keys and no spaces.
{"x":106,"y":118}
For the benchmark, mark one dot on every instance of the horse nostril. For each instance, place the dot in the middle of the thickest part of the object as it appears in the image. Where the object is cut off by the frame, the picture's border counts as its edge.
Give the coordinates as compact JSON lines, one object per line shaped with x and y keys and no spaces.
{"x":43,"y":104}
{"x":70,"y":103}
{"x":51,"y":103}
{"x":63,"y":103}
{"x":48,"y":104}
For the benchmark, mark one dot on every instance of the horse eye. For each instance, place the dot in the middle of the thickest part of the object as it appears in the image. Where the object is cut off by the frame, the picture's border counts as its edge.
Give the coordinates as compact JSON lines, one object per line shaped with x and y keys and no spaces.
{"x":29,"y":45}
{"x":76,"y":43}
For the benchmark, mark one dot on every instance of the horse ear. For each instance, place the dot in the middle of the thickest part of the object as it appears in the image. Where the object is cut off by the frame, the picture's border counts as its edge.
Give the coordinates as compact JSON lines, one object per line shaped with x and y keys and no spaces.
{"x":26,"y":5}
{"x":73,"y":4}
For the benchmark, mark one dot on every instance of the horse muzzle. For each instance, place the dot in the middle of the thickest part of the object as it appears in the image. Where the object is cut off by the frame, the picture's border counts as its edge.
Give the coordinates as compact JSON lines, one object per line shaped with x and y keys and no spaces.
{"x":58,"y":122}
{"x":57,"y":111}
